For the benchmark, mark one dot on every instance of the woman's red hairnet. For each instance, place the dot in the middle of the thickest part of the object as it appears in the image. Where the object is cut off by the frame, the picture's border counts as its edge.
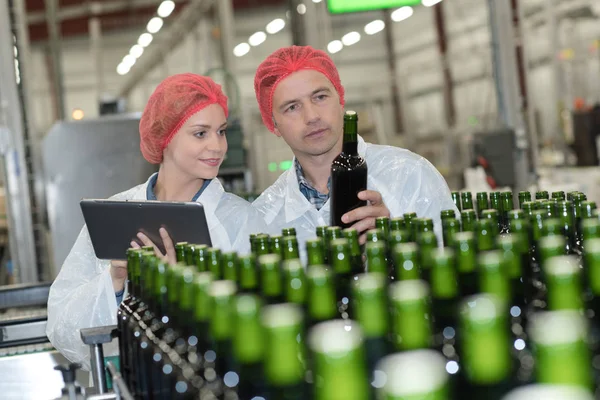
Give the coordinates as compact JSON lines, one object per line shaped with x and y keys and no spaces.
{"x":175,"y":100}
{"x":281,"y":64}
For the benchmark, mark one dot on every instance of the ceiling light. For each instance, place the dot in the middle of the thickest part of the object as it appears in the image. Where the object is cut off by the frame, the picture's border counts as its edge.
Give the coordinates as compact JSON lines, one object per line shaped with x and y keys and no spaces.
{"x":145,"y":39}
{"x":257,"y":38}
{"x":241,"y":49}
{"x":429,"y":3}
{"x":275,"y":26}
{"x":402,"y":13}
{"x":350,"y":38}
{"x":129,"y":60}
{"x":166,"y":8}
{"x":317,"y":1}
{"x":136,"y":50}
{"x":77,"y":114}
{"x":123,"y":69}
{"x":154,"y":25}
{"x":301,"y":9}
{"x":335,"y":46}
{"x":374,"y":27}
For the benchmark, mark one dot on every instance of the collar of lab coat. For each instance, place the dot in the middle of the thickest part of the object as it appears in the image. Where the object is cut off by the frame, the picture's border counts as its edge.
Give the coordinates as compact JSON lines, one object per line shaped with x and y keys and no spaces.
{"x":295,"y":204}
{"x":209,"y":198}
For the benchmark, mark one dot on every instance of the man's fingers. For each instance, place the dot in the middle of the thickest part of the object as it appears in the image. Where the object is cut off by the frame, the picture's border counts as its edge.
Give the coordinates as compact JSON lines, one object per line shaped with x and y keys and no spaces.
{"x":147,"y":242}
{"x":135,"y":245}
{"x":371,"y":196}
{"x":366,"y":212}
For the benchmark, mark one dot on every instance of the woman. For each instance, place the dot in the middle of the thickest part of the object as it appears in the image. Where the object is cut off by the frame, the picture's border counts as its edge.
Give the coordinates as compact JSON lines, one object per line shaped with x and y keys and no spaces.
{"x":182,"y":129}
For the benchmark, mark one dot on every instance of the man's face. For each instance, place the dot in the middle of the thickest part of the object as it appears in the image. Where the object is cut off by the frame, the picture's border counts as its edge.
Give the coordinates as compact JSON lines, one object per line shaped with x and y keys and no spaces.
{"x":308,"y":114}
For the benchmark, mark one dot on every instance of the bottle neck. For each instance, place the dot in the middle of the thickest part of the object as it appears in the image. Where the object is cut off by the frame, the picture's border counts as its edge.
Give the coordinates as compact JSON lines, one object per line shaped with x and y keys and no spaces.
{"x":350,"y":148}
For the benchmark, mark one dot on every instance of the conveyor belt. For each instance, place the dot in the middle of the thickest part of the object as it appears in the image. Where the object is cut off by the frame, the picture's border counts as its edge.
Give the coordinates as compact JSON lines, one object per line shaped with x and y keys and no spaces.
{"x":20,"y":327}
{"x":16,"y":296}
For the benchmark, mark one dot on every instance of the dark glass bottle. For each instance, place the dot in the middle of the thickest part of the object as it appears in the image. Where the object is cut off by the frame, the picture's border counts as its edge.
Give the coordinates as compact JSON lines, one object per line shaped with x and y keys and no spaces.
{"x":482,"y":202}
{"x":348,"y":174}
{"x":467,"y":201}
{"x":456,"y":200}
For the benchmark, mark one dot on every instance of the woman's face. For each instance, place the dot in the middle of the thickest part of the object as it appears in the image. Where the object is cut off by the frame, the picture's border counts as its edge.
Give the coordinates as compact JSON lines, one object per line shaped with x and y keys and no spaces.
{"x":199,"y":146}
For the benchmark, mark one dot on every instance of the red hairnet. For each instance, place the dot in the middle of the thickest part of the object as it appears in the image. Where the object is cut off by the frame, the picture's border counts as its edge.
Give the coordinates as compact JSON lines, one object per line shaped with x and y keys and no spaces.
{"x":284,"y":62}
{"x":175,"y":100}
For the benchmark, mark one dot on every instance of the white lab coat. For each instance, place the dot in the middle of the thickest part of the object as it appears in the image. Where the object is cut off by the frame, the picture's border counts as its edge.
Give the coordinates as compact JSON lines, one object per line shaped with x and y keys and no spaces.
{"x":82,"y":295}
{"x":406,"y":181}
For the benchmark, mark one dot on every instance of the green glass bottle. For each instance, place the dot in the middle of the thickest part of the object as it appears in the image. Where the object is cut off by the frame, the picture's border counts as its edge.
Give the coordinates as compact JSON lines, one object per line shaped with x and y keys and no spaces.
{"x":587,"y":209}
{"x":249,"y":280}
{"x":215,"y":262}
{"x":496,"y":202}
{"x":290,"y":248}
{"x":222,"y":323}
{"x":186,"y":300}
{"x":560,"y":349}
{"x":507,"y":206}
{"x":322,"y":302}
{"x":466,"y":201}
{"x":230,"y":265}
{"x":351,"y":235}
{"x":447,"y":214}
{"x":249,"y":346}
{"x":542,"y":195}
{"x":482,"y":202}
{"x":563,"y":279}
{"x":332,"y":233}
{"x":202,"y":309}
{"x":523,"y":197}
{"x":406,"y":262}
{"x":342,"y":269}
{"x":383,"y":224}
{"x":288,"y":232}
{"x":456,"y":200}
{"x":271,"y":282}
{"x":295,"y":285}
{"x":549,"y":392}
{"x":468,"y":220}
{"x":559,"y":196}
{"x":348,"y":174}
{"x":180,"y":248}
{"x":590,"y":229}
{"x":549,"y":208}
{"x":397,"y":224}
{"x":369,"y":300}
{"x":398,"y":236}
{"x":551,"y":246}
{"x":321,"y":232}
{"x":444,"y":296}
{"x":375,"y":254}
{"x":466,"y":263}
{"x":427,"y":243}
{"x":494,"y":217}
{"x":340,"y":371}
{"x":376,"y":235}
{"x":528,"y":208}
{"x":591,"y":256}
{"x":486,"y":234}
{"x":174,"y":292}
{"x":201,"y":258}
{"x":450,"y":227}
{"x":512,"y":256}
{"x":552,"y":226}
{"x":262,"y":245}
{"x":276,"y":245}
{"x":410,"y":311}
{"x":315,"y":251}
{"x":493,"y":277}
{"x":285,"y":354}
{"x":190,"y":254}
{"x":408,"y":221}
{"x":253,"y":242}
{"x":486,"y":364}
{"x":417,"y":374}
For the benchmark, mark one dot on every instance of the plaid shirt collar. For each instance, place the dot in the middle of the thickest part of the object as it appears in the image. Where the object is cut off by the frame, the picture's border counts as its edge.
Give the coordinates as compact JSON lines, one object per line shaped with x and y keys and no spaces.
{"x":312,"y":195}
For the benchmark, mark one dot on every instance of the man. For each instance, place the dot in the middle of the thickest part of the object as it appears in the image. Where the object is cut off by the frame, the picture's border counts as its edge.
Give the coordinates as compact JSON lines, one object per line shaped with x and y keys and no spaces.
{"x":301,"y":99}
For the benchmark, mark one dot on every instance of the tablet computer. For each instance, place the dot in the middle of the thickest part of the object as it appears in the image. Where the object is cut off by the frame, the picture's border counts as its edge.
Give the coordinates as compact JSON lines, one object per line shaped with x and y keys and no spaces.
{"x":113,"y":224}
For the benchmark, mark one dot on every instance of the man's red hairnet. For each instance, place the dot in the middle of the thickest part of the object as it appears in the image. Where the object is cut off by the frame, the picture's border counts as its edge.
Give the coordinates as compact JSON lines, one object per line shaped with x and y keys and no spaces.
{"x":281,"y":64}
{"x":171,"y":104}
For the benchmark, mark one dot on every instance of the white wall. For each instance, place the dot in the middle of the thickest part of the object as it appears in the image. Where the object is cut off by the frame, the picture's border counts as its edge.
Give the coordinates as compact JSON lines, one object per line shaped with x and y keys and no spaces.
{"x":363,"y":69}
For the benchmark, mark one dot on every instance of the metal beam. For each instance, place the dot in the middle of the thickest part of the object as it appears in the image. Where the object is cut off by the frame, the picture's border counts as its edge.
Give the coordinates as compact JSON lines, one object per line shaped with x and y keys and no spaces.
{"x":85,"y":9}
{"x":56,"y":57}
{"x":12,"y":154}
{"x":393,"y":72}
{"x":442,"y":42}
{"x":510,"y":100}
{"x":179,"y":28}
